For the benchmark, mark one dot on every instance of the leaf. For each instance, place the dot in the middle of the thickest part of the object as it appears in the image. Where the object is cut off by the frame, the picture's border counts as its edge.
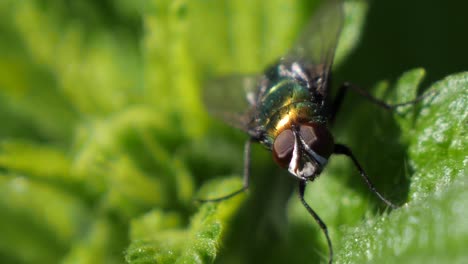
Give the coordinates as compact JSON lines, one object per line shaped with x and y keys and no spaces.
{"x":38,"y":221}
{"x":160,"y":237}
{"x":431,"y":226}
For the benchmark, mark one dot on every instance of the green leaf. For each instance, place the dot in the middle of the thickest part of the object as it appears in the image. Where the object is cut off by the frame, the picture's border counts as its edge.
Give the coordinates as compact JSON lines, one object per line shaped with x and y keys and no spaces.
{"x":162,"y":238}
{"x":38,"y":221}
{"x":441,"y":129}
{"x":432,"y":225}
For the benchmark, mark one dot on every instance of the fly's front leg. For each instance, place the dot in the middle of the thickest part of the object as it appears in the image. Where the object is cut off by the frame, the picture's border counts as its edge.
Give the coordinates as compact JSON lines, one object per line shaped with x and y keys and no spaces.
{"x":245,"y":186}
{"x":344,"y":150}
{"x":302,"y":185}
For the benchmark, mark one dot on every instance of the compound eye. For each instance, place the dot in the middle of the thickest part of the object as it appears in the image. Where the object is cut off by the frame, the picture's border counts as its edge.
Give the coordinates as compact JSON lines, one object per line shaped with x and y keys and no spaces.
{"x":308,"y":134}
{"x":283,"y":148}
{"x":318,"y":138}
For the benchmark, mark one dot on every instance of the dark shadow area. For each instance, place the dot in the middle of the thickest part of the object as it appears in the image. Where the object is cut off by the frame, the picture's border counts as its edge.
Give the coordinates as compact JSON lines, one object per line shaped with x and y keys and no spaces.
{"x":401,"y":35}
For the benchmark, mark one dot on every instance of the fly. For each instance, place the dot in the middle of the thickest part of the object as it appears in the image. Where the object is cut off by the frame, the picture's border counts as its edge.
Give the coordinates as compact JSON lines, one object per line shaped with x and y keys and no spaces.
{"x":289,"y":111}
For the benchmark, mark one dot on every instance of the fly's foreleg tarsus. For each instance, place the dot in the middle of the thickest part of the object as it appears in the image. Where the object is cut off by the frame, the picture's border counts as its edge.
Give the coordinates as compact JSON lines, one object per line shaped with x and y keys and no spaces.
{"x":302,"y":185}
{"x":245,"y":185}
{"x":344,"y":150}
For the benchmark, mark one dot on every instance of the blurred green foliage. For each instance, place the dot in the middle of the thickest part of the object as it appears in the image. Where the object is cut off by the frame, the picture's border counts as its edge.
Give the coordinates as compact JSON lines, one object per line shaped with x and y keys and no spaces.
{"x":104,"y":140}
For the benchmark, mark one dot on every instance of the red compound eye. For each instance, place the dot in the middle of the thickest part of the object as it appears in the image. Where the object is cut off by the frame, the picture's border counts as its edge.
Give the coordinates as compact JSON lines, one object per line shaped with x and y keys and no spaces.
{"x":283,"y":148}
{"x":318,"y":138}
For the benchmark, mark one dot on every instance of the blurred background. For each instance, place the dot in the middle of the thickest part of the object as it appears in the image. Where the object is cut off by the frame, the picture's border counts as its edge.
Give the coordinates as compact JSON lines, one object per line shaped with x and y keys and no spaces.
{"x":401,"y":35}
{"x":105,"y":141}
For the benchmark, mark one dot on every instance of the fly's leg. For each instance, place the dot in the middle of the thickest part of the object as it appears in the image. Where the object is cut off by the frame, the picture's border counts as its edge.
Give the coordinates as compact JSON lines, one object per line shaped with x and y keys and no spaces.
{"x":245,"y":185}
{"x":337,"y":102}
{"x":344,"y":150}
{"x":302,"y":185}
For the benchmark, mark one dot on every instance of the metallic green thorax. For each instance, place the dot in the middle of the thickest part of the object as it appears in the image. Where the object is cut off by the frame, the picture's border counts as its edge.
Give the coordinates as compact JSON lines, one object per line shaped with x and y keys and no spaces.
{"x":284,"y":100}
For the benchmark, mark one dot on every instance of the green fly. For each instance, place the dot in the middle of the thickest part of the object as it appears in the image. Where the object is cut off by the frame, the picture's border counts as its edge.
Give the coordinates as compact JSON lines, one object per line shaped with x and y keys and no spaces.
{"x":288,"y":109}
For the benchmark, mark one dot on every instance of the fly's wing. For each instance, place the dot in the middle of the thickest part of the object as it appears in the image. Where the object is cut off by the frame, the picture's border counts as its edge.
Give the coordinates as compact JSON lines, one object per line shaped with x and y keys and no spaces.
{"x":316,"y":45}
{"x":232,"y":99}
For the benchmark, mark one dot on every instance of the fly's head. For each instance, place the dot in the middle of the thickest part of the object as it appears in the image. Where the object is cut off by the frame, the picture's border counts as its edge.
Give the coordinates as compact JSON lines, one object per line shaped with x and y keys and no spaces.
{"x":303,"y":149}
